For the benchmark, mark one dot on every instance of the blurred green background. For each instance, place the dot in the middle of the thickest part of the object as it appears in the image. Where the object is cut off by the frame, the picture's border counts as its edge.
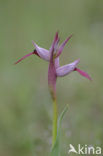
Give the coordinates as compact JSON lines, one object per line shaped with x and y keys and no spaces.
{"x":25,"y":103}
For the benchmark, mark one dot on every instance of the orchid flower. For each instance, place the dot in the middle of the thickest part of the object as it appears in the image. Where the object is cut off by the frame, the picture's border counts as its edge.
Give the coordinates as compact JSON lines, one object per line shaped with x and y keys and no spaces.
{"x":54,"y":70}
{"x":45,"y":55}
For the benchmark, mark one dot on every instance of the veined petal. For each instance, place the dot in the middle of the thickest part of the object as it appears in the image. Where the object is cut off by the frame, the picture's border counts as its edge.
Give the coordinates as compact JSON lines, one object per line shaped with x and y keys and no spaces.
{"x":34,"y":52}
{"x":43,"y":53}
{"x":62,"y":46}
{"x":52,"y":70}
{"x":66,"y":69}
{"x":81,"y":72}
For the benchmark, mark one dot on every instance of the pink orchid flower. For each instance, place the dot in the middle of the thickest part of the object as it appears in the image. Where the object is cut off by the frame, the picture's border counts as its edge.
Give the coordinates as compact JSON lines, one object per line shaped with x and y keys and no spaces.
{"x":54,"y":71}
{"x":52,"y":55}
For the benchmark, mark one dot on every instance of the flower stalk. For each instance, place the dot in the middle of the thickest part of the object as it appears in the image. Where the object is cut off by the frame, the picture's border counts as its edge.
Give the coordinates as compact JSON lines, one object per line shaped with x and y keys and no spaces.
{"x":55,"y":119}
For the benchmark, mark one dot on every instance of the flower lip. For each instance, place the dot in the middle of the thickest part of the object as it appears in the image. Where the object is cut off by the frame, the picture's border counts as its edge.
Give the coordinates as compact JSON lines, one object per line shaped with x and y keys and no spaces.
{"x":82,"y":73}
{"x":24,"y":57}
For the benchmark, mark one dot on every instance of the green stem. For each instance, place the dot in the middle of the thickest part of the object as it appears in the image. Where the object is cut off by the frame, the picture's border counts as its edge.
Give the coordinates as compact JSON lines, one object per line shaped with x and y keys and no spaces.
{"x":55,"y":117}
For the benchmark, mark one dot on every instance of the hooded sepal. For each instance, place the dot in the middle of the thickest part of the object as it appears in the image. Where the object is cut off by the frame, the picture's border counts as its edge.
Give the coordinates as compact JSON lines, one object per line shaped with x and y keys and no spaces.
{"x":52,"y":70}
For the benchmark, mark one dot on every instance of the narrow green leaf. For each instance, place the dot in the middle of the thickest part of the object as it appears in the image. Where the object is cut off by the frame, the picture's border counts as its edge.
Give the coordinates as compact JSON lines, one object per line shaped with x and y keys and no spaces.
{"x":56,"y":148}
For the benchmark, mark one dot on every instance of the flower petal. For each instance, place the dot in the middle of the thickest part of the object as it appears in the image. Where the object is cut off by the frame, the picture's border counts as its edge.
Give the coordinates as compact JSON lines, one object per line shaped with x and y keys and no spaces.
{"x":66,"y":69}
{"x":43,"y":53}
{"x":34,"y":52}
{"x":81,"y":72}
{"x":62,"y":46}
